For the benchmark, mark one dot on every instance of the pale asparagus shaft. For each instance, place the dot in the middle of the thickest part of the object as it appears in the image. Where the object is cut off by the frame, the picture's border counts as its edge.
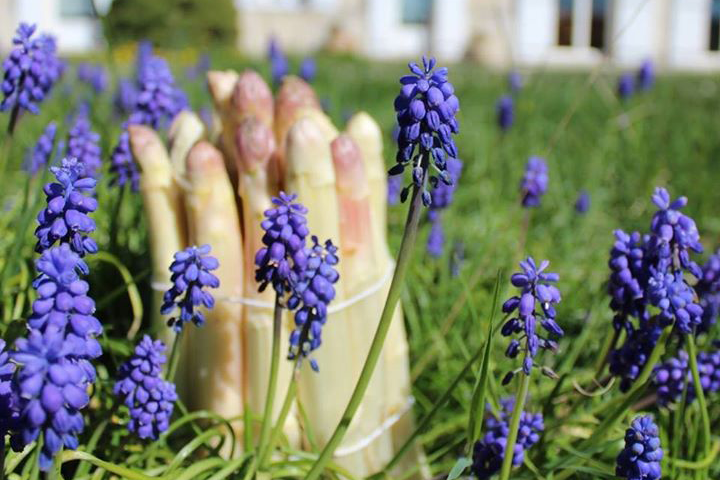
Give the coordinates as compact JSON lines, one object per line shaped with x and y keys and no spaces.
{"x":255,"y":144}
{"x":164,"y":214}
{"x":185,"y":130}
{"x":216,"y":352}
{"x":359,"y":268}
{"x":324,"y":394}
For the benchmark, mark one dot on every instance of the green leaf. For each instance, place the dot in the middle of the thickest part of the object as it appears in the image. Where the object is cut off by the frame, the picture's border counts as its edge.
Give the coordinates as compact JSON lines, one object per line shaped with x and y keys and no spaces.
{"x":459,"y":467}
{"x":478,"y":399}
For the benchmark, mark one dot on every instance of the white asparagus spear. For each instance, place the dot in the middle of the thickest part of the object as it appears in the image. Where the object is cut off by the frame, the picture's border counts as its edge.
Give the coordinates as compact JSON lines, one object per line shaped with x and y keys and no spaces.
{"x":185,"y":130}
{"x":216,"y":353}
{"x":324,"y":394}
{"x":359,"y":269}
{"x":255,"y":144}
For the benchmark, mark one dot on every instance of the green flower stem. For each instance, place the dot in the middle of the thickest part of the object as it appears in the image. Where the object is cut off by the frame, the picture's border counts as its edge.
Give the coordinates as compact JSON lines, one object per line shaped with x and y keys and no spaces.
{"x":69,"y":455}
{"x":272,"y":382}
{"x":514,"y":424}
{"x":174,"y":358}
{"x":284,"y":411}
{"x":2,"y":459}
{"x":692,"y":353}
{"x":427,"y":419}
{"x":396,"y":287}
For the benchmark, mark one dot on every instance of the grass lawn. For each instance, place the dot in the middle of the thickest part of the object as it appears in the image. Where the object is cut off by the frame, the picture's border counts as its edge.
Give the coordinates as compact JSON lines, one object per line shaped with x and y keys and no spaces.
{"x":617,"y":151}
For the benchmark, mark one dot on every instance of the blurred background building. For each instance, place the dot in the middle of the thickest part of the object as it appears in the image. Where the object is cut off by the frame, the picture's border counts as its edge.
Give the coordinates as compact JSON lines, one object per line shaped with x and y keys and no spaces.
{"x":676,"y":34}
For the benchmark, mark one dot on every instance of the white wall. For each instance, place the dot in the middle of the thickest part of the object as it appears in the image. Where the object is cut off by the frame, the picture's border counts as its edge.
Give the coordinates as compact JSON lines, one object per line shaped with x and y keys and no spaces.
{"x":689,"y":36}
{"x":387,"y":36}
{"x":636,"y":30}
{"x":450,"y":29}
{"x":536,"y":25}
{"x":76,"y":34}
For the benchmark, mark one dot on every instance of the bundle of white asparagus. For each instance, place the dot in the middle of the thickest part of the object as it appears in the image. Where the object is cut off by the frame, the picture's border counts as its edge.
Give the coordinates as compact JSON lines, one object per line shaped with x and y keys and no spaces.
{"x":195,"y":193}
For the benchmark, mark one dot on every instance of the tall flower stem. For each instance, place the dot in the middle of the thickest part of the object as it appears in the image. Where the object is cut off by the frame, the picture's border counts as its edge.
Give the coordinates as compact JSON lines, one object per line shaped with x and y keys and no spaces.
{"x":284,"y":411}
{"x":514,"y":424}
{"x":272,"y":382}
{"x":396,"y":287}
{"x":692,"y":353}
{"x":174,"y":358}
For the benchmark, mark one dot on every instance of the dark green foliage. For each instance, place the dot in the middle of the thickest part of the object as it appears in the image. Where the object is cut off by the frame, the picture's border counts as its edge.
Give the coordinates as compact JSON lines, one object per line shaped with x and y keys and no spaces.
{"x":172,"y":23}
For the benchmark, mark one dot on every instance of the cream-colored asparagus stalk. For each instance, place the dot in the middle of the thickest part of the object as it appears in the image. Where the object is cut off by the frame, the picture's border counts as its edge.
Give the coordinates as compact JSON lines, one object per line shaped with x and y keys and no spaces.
{"x":221,"y":85}
{"x":358,"y":267}
{"x":164,"y":214}
{"x":368,"y":136}
{"x":324,"y":394}
{"x":185,"y":130}
{"x":255,"y":144}
{"x":216,"y":349}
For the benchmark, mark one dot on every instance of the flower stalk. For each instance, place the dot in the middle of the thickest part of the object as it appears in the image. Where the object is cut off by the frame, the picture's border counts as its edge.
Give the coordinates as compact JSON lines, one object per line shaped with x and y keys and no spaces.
{"x":272,"y":382}
{"x":514,"y":424}
{"x":396,"y":286}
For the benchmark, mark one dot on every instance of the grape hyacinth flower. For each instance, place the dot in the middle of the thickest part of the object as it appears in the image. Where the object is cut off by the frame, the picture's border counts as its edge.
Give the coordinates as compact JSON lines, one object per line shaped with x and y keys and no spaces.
{"x":43,"y":149}
{"x":640,"y":459}
{"x":31,"y":70}
{"x":582,"y":204}
{"x":426,"y":107}
{"x":708,"y":290}
{"x":535,"y":182}
{"x":199,"y":69}
{"x":63,"y":304}
{"x":442,"y":194}
{"x":436,"y":238}
{"x":123,"y":168}
{"x":125,"y":97}
{"x":515,"y":81}
{"x":671,"y":376}
{"x":149,"y":398}
{"x":308,"y":69}
{"x":628,"y":361}
{"x":284,"y":252}
{"x":676,"y":301}
{"x":675,"y":234}
{"x":536,"y":286}
{"x":628,"y":278}
{"x":8,"y":414}
{"x":191,"y":276}
{"x":625,"y":86}
{"x":489,"y":452}
{"x":279,"y":65}
{"x":84,"y":144}
{"x":51,"y":391}
{"x":394,"y":185}
{"x":66,"y":217}
{"x":159,"y":100}
{"x":94,"y":75}
{"x":646,"y":75}
{"x":504,"y":110}
{"x":312,"y":292}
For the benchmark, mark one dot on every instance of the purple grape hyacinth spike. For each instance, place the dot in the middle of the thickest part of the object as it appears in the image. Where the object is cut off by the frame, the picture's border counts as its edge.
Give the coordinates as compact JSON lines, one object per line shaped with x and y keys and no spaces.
{"x":191,"y":278}
{"x":640,"y":459}
{"x":534,"y":183}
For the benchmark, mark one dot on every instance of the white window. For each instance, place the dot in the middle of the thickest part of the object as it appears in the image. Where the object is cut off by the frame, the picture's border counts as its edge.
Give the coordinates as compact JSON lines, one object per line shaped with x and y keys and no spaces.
{"x":76,"y":8}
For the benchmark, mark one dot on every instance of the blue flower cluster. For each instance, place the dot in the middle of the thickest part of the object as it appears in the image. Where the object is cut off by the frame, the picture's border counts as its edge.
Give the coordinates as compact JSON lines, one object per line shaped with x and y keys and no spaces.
{"x":536,"y":288}
{"x":149,"y":398}
{"x":582,"y":204}
{"x":191,"y":277}
{"x":534,"y":183}
{"x":505,"y":112}
{"x":51,"y":389}
{"x":31,"y":70}
{"x":436,"y":238}
{"x":625,"y":86}
{"x":84,"y":145}
{"x":158,"y":99}
{"x":42,"y":152}
{"x":489,"y":452}
{"x":646,"y":75}
{"x":66,"y":217}
{"x":284,"y":252}
{"x":308,"y":69}
{"x":279,"y":65}
{"x":708,"y":290}
{"x":125,"y":97}
{"x":94,"y":75}
{"x":312,"y":292}
{"x":640,"y":459}
{"x":649,"y":271}
{"x":64,"y":305}
{"x":8,"y":412}
{"x":426,"y":109}
{"x":123,"y":168}
{"x":671,"y":376}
